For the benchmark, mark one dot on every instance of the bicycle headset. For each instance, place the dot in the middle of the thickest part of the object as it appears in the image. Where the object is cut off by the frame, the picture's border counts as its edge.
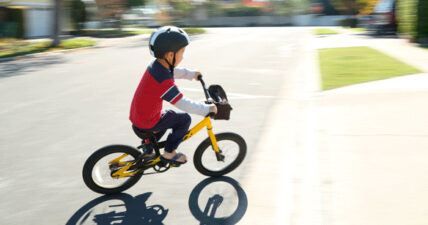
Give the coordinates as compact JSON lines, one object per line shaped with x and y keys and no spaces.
{"x":167,"y":39}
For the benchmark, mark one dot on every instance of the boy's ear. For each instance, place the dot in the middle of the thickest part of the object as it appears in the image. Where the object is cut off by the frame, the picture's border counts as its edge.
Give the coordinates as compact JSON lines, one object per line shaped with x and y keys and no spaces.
{"x":168,"y":55}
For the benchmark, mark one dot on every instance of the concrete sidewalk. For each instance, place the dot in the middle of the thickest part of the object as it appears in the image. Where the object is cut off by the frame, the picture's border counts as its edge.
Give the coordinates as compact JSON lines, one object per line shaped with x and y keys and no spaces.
{"x":373,"y":141}
{"x":374,"y":146}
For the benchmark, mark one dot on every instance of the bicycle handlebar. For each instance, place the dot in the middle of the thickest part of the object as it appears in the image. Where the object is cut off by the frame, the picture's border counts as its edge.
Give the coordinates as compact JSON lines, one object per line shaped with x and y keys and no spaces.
{"x":207,"y":95}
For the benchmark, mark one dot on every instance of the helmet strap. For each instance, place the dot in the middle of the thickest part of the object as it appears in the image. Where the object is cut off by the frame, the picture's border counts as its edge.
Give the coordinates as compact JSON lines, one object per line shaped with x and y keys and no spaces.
{"x":171,"y":66}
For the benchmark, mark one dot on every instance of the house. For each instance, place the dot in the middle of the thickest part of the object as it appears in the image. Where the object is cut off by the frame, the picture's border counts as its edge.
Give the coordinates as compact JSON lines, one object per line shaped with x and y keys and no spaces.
{"x":37,"y":15}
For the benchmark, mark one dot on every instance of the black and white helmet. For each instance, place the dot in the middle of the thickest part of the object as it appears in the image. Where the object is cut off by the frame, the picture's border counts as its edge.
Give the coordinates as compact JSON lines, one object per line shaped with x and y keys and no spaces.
{"x":167,"y":39}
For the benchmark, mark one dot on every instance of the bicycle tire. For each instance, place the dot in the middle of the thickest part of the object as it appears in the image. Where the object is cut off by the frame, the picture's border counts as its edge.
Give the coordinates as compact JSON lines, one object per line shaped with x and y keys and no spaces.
{"x":205,"y":145}
{"x":99,"y":154}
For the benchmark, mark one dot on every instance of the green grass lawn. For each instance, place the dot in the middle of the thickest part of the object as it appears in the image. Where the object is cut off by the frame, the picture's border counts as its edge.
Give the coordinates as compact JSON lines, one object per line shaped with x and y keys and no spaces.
{"x":323,"y":31}
{"x":191,"y":30}
{"x":14,"y":47}
{"x":114,"y":33}
{"x":357,"y":29}
{"x":345,"y":66}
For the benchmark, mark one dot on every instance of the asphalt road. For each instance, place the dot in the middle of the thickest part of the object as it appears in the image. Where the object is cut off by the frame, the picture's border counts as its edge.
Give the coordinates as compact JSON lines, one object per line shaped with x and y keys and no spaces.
{"x":56,"y":109}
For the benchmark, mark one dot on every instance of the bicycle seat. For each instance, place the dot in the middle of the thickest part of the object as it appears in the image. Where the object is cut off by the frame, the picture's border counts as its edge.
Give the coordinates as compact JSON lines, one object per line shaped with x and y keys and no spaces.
{"x":143,"y":134}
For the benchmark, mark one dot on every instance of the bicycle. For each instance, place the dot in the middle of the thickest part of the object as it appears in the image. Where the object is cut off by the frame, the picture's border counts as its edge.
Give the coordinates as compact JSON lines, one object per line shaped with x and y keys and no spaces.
{"x":115,"y":168}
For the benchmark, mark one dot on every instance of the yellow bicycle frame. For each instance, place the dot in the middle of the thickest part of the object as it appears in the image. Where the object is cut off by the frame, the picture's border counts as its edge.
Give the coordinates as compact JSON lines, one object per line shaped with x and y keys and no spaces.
{"x":206,"y":122}
{"x":122,"y":172}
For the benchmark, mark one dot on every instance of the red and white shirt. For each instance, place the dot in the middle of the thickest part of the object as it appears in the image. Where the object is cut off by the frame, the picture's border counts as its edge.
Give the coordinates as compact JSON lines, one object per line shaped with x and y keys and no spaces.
{"x":157,"y":85}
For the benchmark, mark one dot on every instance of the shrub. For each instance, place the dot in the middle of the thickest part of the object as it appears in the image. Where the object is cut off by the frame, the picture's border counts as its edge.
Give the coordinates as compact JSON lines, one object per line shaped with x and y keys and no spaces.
{"x":413,"y":19}
{"x":13,"y":24}
{"x":236,"y":11}
{"x":78,"y":14}
{"x":422,"y":26}
{"x":349,"y":22}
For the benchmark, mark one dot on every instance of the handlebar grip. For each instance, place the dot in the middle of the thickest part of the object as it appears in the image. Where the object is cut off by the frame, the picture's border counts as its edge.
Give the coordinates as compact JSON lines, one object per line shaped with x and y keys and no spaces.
{"x":199,"y":77}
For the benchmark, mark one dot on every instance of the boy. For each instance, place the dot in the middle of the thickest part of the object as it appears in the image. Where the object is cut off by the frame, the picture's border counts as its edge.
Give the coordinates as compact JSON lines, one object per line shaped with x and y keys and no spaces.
{"x":167,"y":45}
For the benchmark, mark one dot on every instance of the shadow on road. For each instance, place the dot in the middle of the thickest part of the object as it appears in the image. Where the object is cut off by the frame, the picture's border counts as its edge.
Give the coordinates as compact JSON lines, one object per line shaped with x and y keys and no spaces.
{"x":119,"y":209}
{"x":214,"y":200}
{"x":378,"y":36}
{"x":125,"y":209}
{"x":20,"y":67}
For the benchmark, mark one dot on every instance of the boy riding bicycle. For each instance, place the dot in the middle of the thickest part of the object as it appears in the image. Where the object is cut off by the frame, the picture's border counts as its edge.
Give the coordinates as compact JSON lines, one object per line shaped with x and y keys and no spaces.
{"x":167,"y":45}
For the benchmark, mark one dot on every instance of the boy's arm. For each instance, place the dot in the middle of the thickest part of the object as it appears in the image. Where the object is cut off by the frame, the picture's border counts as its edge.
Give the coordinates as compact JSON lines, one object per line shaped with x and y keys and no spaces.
{"x":190,"y":106}
{"x":175,"y":97}
{"x":183,"y":73}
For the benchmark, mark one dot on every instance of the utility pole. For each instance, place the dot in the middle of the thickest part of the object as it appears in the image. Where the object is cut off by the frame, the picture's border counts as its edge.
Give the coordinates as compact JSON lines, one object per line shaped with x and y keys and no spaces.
{"x":57,"y":24}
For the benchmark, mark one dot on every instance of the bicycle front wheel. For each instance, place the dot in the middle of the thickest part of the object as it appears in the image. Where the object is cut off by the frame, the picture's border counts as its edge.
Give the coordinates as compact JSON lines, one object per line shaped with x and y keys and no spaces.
{"x":112,"y":169}
{"x":232,"y":147}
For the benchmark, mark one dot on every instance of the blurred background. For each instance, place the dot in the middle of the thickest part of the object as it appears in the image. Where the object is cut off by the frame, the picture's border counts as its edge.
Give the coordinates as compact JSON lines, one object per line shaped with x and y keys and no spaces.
{"x":42,"y":18}
{"x":330,"y":96}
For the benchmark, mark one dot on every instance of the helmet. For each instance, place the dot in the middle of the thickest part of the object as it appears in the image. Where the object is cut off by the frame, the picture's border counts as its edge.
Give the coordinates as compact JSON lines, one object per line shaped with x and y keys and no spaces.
{"x":167,"y":39}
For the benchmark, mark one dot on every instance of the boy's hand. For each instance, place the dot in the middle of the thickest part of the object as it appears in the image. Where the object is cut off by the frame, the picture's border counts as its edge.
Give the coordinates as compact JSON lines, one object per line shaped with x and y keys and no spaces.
{"x":197,"y":73}
{"x":213,"y":108}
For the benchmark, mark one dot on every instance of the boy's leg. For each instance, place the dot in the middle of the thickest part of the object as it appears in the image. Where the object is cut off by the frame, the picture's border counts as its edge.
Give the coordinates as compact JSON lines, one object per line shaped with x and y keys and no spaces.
{"x":179,"y":122}
{"x":158,"y":135}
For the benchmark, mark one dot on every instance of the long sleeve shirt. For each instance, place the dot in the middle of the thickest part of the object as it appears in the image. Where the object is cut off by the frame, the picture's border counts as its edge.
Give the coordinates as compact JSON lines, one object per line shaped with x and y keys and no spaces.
{"x":158,"y":85}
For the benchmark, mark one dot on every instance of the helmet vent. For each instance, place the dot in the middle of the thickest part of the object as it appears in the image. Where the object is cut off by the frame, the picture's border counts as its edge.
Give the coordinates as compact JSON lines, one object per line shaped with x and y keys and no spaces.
{"x":168,"y":30}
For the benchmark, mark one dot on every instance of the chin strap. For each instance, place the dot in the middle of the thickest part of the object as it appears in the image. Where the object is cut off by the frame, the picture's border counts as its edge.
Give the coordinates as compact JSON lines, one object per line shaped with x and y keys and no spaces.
{"x":171,"y":66}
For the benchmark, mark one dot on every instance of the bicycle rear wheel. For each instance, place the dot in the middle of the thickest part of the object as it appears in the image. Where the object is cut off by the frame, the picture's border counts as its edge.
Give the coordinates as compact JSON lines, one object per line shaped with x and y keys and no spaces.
{"x":112,"y":169}
{"x":232,"y":147}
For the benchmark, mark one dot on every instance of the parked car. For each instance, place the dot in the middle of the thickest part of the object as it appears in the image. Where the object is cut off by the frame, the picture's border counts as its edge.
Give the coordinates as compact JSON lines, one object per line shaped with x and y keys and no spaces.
{"x":384,"y":18}
{"x":366,"y":21}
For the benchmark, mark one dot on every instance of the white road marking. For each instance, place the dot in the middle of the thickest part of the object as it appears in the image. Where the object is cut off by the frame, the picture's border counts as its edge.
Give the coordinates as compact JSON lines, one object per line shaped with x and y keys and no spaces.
{"x":231,"y":95}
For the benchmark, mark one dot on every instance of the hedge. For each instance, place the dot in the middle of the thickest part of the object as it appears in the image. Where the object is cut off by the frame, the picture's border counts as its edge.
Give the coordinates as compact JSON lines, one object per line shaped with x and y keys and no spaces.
{"x":13,"y":24}
{"x":237,"y":11}
{"x":413,"y":19}
{"x":423,"y":20}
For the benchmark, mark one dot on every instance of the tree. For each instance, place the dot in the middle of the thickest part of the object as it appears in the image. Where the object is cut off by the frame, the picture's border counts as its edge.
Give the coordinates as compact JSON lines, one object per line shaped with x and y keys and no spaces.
{"x":78,"y":14}
{"x":113,"y":9}
{"x":181,"y":8}
{"x":57,"y":24}
{"x":282,"y":7}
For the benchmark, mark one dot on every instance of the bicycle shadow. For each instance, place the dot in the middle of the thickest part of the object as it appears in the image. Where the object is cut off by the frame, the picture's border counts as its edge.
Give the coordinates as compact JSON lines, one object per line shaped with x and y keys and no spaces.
{"x":207,"y":216}
{"x":125,"y":209}
{"x":119,"y":209}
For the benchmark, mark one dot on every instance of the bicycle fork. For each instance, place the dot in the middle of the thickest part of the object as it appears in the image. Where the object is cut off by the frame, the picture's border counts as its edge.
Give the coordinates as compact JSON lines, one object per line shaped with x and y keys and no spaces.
{"x":219,"y":156}
{"x":206,"y":123}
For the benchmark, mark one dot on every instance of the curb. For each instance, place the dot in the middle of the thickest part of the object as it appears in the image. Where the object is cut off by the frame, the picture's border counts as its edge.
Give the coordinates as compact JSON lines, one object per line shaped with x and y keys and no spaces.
{"x":34,"y":55}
